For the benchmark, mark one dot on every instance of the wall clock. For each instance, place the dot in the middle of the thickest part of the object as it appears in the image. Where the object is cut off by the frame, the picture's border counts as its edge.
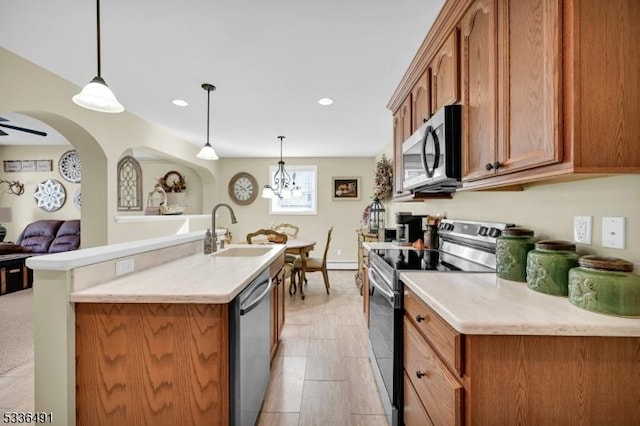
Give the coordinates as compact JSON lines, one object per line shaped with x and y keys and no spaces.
{"x":243,"y":188}
{"x":70,"y":166}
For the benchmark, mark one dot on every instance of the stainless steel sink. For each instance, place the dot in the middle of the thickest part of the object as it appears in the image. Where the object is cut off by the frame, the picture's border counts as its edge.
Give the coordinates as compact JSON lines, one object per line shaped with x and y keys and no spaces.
{"x":242,"y":252}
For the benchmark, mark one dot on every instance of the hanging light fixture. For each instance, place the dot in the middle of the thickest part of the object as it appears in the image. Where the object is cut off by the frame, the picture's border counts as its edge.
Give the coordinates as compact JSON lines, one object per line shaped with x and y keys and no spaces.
{"x":96,"y":95}
{"x":284,"y":185}
{"x":207,"y":152}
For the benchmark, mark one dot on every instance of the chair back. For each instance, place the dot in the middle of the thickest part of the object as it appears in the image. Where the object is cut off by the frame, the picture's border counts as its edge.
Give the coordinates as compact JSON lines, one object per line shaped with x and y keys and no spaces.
{"x":287,"y":228}
{"x":268,"y":235}
{"x":326,"y":248}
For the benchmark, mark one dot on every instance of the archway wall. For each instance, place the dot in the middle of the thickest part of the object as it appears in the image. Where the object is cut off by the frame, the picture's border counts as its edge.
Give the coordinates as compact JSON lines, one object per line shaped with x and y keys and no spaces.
{"x":99,"y":138}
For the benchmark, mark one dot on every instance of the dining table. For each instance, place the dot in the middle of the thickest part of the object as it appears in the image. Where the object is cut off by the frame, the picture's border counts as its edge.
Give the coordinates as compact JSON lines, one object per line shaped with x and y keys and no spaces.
{"x":300,"y":247}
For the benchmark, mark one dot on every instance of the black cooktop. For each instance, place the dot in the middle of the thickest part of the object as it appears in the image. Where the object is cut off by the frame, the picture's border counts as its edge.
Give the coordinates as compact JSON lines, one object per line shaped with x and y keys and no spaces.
{"x":408,"y":259}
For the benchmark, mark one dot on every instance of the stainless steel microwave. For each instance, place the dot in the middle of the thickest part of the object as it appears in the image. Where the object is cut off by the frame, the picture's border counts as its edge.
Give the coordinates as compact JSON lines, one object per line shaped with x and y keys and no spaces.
{"x":431,"y":157}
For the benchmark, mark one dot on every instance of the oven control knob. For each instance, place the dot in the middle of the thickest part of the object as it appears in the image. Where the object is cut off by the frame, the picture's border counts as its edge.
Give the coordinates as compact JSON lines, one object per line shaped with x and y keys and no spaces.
{"x":442,"y":226}
{"x":483,"y":231}
{"x":450,"y":226}
{"x":494,"y":232}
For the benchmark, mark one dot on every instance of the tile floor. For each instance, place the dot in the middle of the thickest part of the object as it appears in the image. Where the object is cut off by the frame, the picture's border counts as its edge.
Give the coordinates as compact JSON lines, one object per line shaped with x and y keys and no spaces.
{"x":321,"y":374}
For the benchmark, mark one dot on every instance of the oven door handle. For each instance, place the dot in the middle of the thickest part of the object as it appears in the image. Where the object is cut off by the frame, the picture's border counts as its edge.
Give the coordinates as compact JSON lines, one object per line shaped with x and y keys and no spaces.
{"x":374,"y":283}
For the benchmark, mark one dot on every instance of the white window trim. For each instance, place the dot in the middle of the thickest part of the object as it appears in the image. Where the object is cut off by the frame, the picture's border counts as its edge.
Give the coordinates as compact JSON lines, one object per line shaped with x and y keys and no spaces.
{"x":314,"y":203}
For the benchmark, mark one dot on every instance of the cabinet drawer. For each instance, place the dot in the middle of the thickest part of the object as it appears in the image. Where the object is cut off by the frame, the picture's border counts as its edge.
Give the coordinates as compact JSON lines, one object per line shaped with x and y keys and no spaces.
{"x":444,"y":339}
{"x":414,"y":412}
{"x":439,"y":391}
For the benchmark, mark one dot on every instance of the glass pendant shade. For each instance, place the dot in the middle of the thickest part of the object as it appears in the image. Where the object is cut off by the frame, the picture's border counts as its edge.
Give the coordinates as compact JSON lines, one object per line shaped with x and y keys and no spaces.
{"x":97,"y":96}
{"x":267,"y":192}
{"x":207,"y":153}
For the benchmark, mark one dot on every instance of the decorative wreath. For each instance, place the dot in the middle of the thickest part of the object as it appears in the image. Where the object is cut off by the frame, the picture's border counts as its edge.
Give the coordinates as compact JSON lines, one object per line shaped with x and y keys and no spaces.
{"x":173,"y":181}
{"x":383,"y":184}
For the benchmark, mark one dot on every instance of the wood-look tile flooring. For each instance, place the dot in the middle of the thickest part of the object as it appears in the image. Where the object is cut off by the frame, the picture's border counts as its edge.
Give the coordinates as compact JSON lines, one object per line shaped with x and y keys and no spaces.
{"x":321,"y":374}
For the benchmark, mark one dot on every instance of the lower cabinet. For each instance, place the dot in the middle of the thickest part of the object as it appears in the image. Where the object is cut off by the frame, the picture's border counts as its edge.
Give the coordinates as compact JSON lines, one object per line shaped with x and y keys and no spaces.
{"x":515,"y":379}
{"x":278,"y":277}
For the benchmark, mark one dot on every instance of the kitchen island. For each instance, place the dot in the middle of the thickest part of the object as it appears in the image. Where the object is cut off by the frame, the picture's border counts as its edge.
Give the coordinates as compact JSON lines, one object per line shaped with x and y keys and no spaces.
{"x":479,"y":350}
{"x":149,"y":346}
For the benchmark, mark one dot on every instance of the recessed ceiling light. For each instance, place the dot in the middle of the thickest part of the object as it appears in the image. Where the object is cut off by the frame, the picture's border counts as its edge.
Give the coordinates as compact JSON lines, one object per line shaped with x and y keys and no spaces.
{"x":180,"y":102}
{"x":325,"y":101}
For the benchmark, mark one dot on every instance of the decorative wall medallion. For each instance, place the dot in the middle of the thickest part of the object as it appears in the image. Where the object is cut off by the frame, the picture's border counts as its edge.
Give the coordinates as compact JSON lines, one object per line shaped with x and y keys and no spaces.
{"x":50,"y":195}
{"x":70,"y":166}
{"x":77,"y":199}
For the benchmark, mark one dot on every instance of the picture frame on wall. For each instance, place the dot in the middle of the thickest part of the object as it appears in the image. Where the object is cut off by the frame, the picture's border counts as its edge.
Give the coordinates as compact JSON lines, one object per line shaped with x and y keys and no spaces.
{"x":345,"y":188}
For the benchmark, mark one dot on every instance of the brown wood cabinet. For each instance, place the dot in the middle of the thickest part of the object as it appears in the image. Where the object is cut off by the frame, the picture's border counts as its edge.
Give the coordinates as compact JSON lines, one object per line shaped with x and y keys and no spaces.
{"x":421,"y":101}
{"x":550,"y":88}
{"x":445,"y":77}
{"x":512,"y":54}
{"x":507,"y":379}
{"x":362,"y":275}
{"x":401,"y":131}
{"x":277,"y":302}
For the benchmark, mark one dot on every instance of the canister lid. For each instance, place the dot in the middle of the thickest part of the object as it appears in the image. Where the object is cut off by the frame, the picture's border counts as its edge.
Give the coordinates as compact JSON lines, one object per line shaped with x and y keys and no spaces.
{"x":606,"y":263}
{"x":556,"y":245}
{"x":516,"y":232}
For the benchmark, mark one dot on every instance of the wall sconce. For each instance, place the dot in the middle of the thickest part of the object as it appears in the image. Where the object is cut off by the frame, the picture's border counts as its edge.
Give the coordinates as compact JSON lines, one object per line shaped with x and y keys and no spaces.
{"x":15,"y":186}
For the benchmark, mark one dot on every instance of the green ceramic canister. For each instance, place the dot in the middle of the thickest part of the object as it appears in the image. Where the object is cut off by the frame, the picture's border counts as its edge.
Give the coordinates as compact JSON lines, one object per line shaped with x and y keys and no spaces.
{"x":511,"y":253}
{"x":548,"y":266}
{"x":606,"y":285}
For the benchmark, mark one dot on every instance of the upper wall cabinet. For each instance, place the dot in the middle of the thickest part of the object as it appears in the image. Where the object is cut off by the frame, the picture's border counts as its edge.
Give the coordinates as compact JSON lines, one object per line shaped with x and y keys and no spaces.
{"x":444,"y":74}
{"x":522,"y":129}
{"x":420,"y":101}
{"x":549,"y":88}
{"x":401,"y":131}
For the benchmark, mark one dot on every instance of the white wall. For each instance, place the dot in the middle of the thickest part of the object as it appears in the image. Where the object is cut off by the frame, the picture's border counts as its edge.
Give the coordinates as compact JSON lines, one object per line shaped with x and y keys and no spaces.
{"x":549,"y":209}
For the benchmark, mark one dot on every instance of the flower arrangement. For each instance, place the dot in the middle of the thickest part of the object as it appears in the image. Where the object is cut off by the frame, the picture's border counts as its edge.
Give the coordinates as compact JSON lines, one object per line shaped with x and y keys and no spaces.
{"x":383,"y":184}
{"x":172,"y":182}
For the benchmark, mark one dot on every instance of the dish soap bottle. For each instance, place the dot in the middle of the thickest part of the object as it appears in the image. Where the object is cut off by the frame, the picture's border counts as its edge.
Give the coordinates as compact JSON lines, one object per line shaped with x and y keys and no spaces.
{"x":208,"y":242}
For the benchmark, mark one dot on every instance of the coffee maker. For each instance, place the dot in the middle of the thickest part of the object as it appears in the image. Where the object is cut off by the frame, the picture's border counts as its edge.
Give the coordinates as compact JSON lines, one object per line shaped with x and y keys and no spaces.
{"x":409,"y":228}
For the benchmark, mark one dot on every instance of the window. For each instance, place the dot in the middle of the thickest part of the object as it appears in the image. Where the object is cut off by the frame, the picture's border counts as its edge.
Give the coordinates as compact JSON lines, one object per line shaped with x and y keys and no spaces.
{"x":305,"y":178}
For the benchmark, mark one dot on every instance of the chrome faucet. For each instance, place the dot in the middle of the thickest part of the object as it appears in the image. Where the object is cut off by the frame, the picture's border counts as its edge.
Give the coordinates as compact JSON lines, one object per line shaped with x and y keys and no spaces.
{"x":214,"y":243}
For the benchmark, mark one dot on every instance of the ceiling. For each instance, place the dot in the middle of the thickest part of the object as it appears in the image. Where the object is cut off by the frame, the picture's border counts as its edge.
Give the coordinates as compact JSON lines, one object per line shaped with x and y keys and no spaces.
{"x":270,"y":60}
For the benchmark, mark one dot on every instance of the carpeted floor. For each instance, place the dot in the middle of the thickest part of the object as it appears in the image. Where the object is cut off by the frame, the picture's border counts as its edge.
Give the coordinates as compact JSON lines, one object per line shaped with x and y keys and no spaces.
{"x":16,"y":329}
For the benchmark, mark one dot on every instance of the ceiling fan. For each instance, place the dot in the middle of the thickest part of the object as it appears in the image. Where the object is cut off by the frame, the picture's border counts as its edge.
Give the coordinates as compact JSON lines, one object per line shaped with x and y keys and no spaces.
{"x":22,"y":129}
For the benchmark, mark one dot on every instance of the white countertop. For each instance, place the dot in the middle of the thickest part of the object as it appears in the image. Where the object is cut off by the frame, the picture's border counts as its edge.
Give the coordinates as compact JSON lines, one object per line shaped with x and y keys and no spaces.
{"x":194,"y":279}
{"x":480,"y":303}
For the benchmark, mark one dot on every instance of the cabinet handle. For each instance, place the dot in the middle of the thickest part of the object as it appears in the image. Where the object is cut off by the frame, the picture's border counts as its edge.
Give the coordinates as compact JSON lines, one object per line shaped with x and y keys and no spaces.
{"x":424,"y":120}
{"x":497,"y":165}
{"x":420,"y":318}
{"x":420,"y":374}
{"x":488,"y":166}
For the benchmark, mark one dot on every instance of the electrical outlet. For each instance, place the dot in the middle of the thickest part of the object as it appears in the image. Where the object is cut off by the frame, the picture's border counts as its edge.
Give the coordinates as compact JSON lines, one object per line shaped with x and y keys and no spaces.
{"x":339,"y":252}
{"x":582,"y":229}
{"x":124,"y":266}
{"x":613,"y":229}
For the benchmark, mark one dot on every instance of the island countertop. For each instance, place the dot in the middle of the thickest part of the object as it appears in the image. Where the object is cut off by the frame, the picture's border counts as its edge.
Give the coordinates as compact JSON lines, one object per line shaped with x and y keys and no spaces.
{"x":480,"y":303}
{"x":197,"y":278}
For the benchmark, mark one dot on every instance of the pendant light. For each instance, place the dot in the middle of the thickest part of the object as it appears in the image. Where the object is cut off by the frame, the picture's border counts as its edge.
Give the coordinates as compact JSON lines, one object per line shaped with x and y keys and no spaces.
{"x":207,"y":152}
{"x":96,"y":95}
{"x":284,"y":186}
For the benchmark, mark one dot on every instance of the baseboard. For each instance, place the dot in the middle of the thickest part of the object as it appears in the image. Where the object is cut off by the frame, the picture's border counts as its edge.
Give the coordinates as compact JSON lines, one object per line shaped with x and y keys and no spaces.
{"x":342,"y":265}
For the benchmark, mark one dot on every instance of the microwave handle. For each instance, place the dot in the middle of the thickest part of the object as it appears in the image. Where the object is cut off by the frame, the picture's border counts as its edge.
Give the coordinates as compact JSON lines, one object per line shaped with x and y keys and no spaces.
{"x":430,"y":171}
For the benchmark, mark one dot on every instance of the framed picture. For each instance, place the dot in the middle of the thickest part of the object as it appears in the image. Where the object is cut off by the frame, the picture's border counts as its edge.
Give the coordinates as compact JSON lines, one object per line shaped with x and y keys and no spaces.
{"x":346,"y":188}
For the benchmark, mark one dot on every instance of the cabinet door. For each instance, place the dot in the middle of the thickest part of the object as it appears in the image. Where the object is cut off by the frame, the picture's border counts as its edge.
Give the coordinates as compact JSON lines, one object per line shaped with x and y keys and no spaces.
{"x":530,"y":54}
{"x":420,"y":102}
{"x":273,"y":319}
{"x":444,"y":74}
{"x":401,"y":131}
{"x":280,"y":303}
{"x":479,"y":89}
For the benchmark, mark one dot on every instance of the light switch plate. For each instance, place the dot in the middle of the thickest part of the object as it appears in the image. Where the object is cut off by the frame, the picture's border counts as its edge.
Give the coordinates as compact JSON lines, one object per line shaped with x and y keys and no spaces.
{"x":613,"y":232}
{"x":124,"y":266}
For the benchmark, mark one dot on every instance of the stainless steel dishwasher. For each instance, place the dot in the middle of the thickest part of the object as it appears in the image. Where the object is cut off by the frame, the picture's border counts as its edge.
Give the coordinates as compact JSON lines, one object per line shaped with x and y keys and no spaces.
{"x":249,"y":350}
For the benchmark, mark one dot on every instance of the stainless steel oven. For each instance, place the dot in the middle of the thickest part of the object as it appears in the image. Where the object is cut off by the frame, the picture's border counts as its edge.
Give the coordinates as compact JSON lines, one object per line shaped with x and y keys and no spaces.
{"x":464,"y":246}
{"x":385,"y":332}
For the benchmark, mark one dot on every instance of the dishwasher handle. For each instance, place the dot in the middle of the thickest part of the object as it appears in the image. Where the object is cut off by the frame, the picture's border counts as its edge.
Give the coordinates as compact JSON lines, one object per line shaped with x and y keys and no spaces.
{"x":245,"y":309}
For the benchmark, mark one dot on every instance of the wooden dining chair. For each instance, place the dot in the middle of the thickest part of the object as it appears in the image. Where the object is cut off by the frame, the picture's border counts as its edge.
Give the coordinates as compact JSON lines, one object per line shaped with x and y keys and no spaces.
{"x":315,"y":264}
{"x":266,"y":236}
{"x":292,"y":232}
